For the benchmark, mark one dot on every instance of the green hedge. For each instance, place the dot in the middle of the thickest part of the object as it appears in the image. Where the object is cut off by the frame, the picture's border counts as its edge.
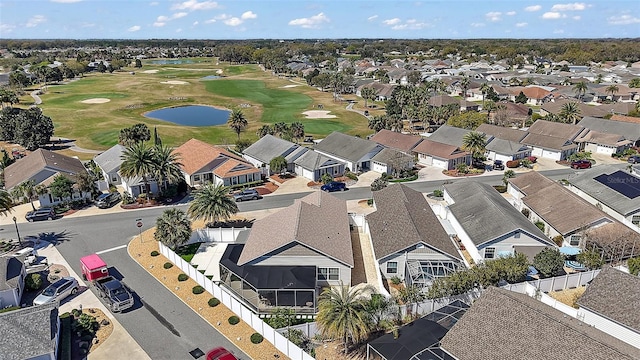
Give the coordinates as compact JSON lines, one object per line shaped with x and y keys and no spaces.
{"x":197,"y":289}
{"x":168,"y":265}
{"x":233,"y":320}
{"x":64,"y":350}
{"x":213,"y":302}
{"x":155,"y":253}
{"x":256,"y":338}
{"x":183,"y":277}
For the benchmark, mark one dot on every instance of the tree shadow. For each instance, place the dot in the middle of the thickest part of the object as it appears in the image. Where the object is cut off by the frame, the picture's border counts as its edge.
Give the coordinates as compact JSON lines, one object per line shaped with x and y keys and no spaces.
{"x":50,"y":237}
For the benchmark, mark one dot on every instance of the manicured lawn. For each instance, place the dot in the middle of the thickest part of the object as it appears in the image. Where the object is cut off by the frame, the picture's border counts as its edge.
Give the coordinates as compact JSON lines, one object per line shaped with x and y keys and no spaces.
{"x":186,"y":252}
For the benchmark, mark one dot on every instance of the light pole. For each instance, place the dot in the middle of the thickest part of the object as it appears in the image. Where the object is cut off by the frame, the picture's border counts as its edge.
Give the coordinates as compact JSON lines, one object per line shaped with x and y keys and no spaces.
{"x":15,"y":222}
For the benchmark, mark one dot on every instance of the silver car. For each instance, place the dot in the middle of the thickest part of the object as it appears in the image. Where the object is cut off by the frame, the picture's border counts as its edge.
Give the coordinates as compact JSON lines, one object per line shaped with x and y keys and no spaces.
{"x":57,"y":291}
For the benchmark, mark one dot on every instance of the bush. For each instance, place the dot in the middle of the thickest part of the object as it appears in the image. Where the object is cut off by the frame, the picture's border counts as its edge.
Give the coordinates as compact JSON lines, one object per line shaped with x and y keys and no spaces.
{"x":155,"y":253}
{"x":351,"y":175}
{"x":168,"y":265}
{"x":183,"y":277}
{"x":213,"y":302}
{"x":548,"y":262}
{"x":396,"y":280}
{"x":437,"y":193}
{"x":33,"y":282}
{"x":127,"y":198}
{"x":197,"y":290}
{"x":233,"y":320}
{"x":591,"y":259}
{"x":512,"y":164}
{"x":540,"y":225}
{"x":326,"y":178}
{"x":370,"y":202}
{"x":558,"y":240}
{"x":634,"y":266}
{"x":525,"y":212}
{"x":256,"y":338}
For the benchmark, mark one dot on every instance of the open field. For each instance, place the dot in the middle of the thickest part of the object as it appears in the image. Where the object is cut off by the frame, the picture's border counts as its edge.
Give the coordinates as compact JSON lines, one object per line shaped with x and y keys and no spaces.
{"x":124,"y":98}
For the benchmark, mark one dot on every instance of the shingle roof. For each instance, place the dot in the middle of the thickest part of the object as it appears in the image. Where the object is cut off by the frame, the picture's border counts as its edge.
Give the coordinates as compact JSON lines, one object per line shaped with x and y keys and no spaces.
{"x":312,"y":160}
{"x":548,"y":142}
{"x":597,"y":137}
{"x":505,"y":147}
{"x":449,"y":135}
{"x":441,"y":100}
{"x":110,"y":160}
{"x":501,"y":132}
{"x":346,"y":146}
{"x":269,"y":147}
{"x":318,"y":221}
{"x":29,"y":166}
{"x":396,"y":140}
{"x":29,"y":332}
{"x":602,"y":193}
{"x":10,"y":271}
{"x":386,"y":156}
{"x":535,"y":92}
{"x":504,"y":325}
{"x":615,"y":295}
{"x":484,"y":214}
{"x":403,"y":218}
{"x":197,"y":156}
{"x":556,"y":129}
{"x":440,"y":150}
{"x":630,"y":130}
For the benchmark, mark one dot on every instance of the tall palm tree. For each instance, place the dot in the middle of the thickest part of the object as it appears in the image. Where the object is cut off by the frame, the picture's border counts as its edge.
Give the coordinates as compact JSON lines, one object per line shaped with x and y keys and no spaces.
{"x":212,"y":203}
{"x":484,"y":88}
{"x":5,"y":202}
{"x":613,"y":90}
{"x":297,"y":130}
{"x":280,"y":128}
{"x":173,"y":228}
{"x":508,"y":174}
{"x":367,"y":93}
{"x":138,"y":161}
{"x":166,"y":165}
{"x":26,"y":190}
{"x":342,"y":314}
{"x":580,"y":89}
{"x":475,"y":143}
{"x":570,"y":112}
{"x":464,"y":83}
{"x":265,"y":130}
{"x":237,"y":121}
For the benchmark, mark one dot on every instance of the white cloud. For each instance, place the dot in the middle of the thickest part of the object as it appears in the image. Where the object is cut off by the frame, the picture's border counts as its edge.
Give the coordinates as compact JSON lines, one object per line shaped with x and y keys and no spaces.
{"x":553,"y":15}
{"x":311,"y":22}
{"x":65,"y":1}
{"x":493,"y":16}
{"x":134,"y":28}
{"x":511,"y":13}
{"x":477,"y":24}
{"x":36,"y":20}
{"x":577,"y":17}
{"x":195,"y":23}
{"x":533,"y":8}
{"x":234,"y":21}
{"x":409,"y":24}
{"x":522,"y":24}
{"x":159,"y":24}
{"x":371,"y":18}
{"x":87,"y":25}
{"x":154,"y":3}
{"x":210,"y":21}
{"x":6,"y":28}
{"x":393,"y":21}
{"x":623,"y":20}
{"x":178,"y":30}
{"x":569,"y":7}
{"x":558,"y":31}
{"x":248,"y":15}
{"x":178,"y":15}
{"x":193,"y":5}
{"x":162,"y":18}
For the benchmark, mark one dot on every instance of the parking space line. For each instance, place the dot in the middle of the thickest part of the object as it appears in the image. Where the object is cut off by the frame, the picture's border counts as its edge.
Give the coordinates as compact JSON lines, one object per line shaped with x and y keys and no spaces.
{"x":112,"y":249}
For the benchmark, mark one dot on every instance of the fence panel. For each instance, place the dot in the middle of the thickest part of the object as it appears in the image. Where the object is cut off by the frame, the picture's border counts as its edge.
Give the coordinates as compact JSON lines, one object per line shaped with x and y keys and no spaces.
{"x":281,"y":343}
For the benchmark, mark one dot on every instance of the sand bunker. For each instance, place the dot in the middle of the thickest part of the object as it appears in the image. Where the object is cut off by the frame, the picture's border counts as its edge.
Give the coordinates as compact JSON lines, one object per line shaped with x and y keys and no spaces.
{"x":95,"y":101}
{"x":290,"y":86}
{"x":175,"y":82}
{"x":219,"y":71}
{"x":318,"y":114}
{"x":150,"y":71}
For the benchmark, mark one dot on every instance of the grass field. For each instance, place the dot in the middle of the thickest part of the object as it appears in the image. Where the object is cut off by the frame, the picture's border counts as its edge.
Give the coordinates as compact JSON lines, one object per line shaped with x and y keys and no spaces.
{"x":96,"y":126}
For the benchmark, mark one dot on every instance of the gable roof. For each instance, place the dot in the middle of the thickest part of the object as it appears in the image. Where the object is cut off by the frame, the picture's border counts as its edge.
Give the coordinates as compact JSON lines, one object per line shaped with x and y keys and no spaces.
{"x":403,"y":218}
{"x":396,"y":140}
{"x":10,"y":271}
{"x":476,"y":205}
{"x":505,"y":147}
{"x":318,"y":221}
{"x":442,"y":100}
{"x":501,"y":325}
{"x":30,"y":332}
{"x":269,"y":147}
{"x":449,"y":135}
{"x":233,"y":167}
{"x":111,"y":159}
{"x":197,"y":156}
{"x":630,"y":130}
{"x":555,"y":129}
{"x":585,"y":181}
{"x":501,"y":132}
{"x":440,"y":150}
{"x":392,"y":157}
{"x":615,"y":295}
{"x":535,"y":92}
{"x":346,"y":146}
{"x":597,"y":137}
{"x":27,"y":167}
{"x":548,"y":142}
{"x":312,"y":160}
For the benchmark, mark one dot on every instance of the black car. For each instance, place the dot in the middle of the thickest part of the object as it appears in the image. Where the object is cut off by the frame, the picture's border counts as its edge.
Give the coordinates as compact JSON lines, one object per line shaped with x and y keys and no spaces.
{"x":498,"y":165}
{"x":107,"y":200}
{"x":40,"y":214}
{"x":633,"y":159}
{"x":334,"y":186}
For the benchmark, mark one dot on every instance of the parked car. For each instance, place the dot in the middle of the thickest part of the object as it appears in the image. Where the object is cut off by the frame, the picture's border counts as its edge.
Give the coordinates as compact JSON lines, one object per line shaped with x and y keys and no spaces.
{"x":334,"y":186}
{"x":220,"y":353}
{"x":533,"y":159}
{"x":498,"y":165}
{"x":581,"y":164}
{"x":116,"y":295}
{"x":57,"y":291}
{"x":246,"y":194}
{"x":107,"y":200}
{"x":366,"y":113}
{"x":633,"y":159}
{"x":41,"y":214}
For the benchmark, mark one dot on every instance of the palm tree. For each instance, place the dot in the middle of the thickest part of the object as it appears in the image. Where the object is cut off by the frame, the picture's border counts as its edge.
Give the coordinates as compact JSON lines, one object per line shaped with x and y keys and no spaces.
{"x":138,"y":161}
{"x":464,"y":83}
{"x":570,"y":112}
{"x":378,"y":308}
{"x":367,"y":93}
{"x":212,"y":203}
{"x":509,"y":174}
{"x":26,"y":190}
{"x":173,"y":228}
{"x":612,"y":89}
{"x":475,"y":143}
{"x":280,"y":128}
{"x":297,"y":130}
{"x":599,"y":78}
{"x":484,"y":88}
{"x":237,"y":121}
{"x":5,"y":202}
{"x":265,"y":130}
{"x":490,"y":106}
{"x":342,"y":314}
{"x":580,"y":89}
{"x":166,"y":165}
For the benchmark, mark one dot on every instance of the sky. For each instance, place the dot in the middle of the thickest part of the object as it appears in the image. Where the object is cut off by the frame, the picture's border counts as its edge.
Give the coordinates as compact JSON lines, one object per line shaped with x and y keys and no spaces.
{"x":320,"y":19}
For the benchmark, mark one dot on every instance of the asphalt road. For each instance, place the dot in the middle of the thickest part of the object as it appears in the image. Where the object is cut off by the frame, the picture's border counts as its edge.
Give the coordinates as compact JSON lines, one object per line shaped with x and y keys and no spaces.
{"x":164,"y":326}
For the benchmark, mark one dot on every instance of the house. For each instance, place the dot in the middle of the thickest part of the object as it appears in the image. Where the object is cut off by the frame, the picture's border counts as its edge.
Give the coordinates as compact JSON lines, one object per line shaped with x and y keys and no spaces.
{"x":355,"y":152}
{"x":487,"y":225}
{"x":440,"y":155}
{"x":536,"y":95}
{"x":505,"y":150}
{"x":312,"y":165}
{"x":516,"y":114}
{"x":30,"y":333}
{"x":602,"y":143}
{"x":268,"y":147}
{"x":42,"y":166}
{"x":396,"y":140}
{"x":289,"y":255}
{"x":450,"y":135}
{"x":610,"y":304}
{"x":110,"y":162}
{"x":553,"y":140}
{"x":204,"y":163}
{"x":409,"y":242}
{"x":506,"y":325}
{"x":12,"y":274}
{"x":622,"y":129}
{"x":390,"y":161}
{"x":383,"y":91}
{"x":444,"y":100}
{"x":562,"y":212}
{"x":501,"y":132}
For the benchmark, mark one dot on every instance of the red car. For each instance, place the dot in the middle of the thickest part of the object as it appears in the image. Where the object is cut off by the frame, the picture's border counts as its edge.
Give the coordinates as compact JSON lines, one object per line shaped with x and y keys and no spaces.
{"x":220,"y":353}
{"x":581,"y":164}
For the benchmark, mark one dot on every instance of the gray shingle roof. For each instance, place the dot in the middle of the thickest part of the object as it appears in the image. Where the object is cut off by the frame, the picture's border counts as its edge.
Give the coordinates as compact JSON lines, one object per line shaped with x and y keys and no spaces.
{"x":388,"y":155}
{"x":548,"y":142}
{"x":502,"y":132}
{"x":396,"y":140}
{"x":485,"y":215}
{"x":504,"y":325}
{"x":631,"y":131}
{"x":505,"y":147}
{"x":346,"y":146}
{"x":449,"y":135}
{"x":10,"y":270}
{"x":269,"y":147}
{"x":28,"y":333}
{"x":312,"y":160}
{"x":550,"y":128}
{"x":110,"y":160}
{"x":607,"y":196}
{"x":37,"y":161}
{"x":403,"y":218}
{"x":615,"y":295}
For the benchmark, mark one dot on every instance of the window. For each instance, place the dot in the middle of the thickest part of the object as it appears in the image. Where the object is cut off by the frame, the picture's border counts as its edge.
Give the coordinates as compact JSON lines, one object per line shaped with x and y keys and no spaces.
{"x":114,"y":178}
{"x":489,"y":253}
{"x":328,"y":273}
{"x":196,"y":177}
{"x":635,"y":220}
{"x":574,"y":240}
{"x":392,"y":267}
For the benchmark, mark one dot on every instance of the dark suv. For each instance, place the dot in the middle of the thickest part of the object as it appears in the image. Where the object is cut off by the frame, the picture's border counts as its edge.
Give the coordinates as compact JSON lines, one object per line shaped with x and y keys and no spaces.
{"x":633,"y":159}
{"x":498,"y":165}
{"x":40,"y":214}
{"x":334,"y":186}
{"x":246,"y":194}
{"x":581,"y":164}
{"x":107,"y":200}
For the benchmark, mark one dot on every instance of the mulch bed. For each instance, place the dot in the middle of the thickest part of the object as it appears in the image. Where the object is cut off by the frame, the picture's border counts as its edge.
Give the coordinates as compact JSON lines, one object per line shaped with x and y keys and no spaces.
{"x":455,"y":173}
{"x":267,"y":188}
{"x":154,"y":203}
{"x":281,"y":179}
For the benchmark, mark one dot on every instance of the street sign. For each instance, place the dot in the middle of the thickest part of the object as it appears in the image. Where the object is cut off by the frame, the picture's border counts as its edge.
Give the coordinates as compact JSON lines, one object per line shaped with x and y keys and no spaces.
{"x":139,"y":223}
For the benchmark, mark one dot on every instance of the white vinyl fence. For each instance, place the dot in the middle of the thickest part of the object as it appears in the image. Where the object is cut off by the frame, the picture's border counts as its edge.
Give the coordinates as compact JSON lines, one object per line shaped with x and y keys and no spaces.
{"x":557,"y":283}
{"x":225,"y":235}
{"x":280,"y":342}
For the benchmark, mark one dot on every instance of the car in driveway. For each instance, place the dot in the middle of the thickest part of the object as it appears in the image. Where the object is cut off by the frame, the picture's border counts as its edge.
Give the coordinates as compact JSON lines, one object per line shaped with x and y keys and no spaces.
{"x":220,"y":353}
{"x":41,"y":214}
{"x":498,"y":165}
{"x":633,"y":159}
{"x":581,"y":164}
{"x":57,"y":291}
{"x":246,"y":194}
{"x":334,"y":186}
{"x":108,"y":200}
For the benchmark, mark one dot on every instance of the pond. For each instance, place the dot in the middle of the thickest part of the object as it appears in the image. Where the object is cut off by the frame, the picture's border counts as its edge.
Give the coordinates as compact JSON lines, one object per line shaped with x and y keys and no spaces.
{"x":191,"y":115}
{"x":211,"y":77}
{"x":171,"y":62}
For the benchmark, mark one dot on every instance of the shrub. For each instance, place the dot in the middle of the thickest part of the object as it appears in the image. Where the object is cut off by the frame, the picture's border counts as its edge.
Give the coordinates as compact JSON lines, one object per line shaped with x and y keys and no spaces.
{"x":558,"y":239}
{"x":197,"y":290}
{"x":590,"y":259}
{"x":213,"y":302}
{"x":87,"y":324}
{"x":540,"y":225}
{"x":548,"y":262}
{"x":462,"y":168}
{"x":127,"y":198}
{"x":370,"y":202}
{"x":396,"y":280}
{"x":33,"y":282}
{"x":76,"y":313}
{"x":183,"y":277}
{"x":168,"y":265}
{"x":526,"y":212}
{"x":634,"y":266}
{"x":512,"y":164}
{"x":437,"y":193}
{"x":155,"y":253}
{"x":233,"y":320}
{"x":256,"y":338}
{"x":326,"y":178}
{"x":351,"y":176}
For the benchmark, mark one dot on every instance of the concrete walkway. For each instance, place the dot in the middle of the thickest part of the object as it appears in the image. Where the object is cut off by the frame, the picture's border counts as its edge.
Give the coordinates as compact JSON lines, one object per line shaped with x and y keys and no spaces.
{"x":36,"y":99}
